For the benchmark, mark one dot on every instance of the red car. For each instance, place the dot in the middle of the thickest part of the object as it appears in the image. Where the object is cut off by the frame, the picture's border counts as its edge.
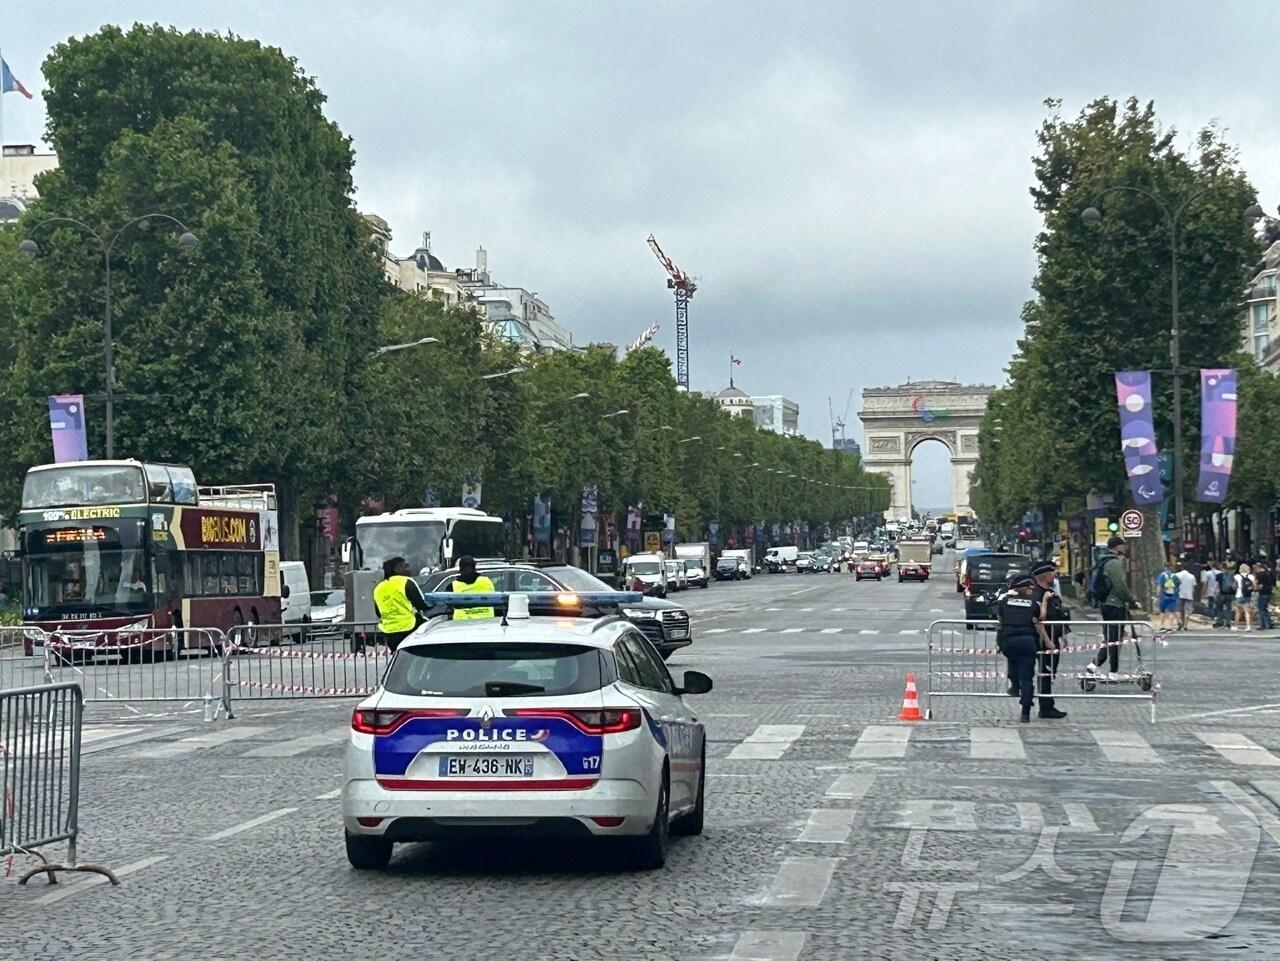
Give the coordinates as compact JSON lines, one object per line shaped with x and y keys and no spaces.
{"x":867,"y":569}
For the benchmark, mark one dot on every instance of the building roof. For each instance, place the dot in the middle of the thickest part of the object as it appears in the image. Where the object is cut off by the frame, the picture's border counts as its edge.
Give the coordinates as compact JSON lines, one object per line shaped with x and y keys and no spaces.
{"x":426,"y":260}
{"x":733,"y":393}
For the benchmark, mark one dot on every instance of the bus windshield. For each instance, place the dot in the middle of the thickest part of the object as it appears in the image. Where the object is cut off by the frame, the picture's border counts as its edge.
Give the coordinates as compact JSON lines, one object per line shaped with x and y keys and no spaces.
{"x":418,"y":542}
{"x":74,"y":569}
{"x":478,"y":539}
{"x":83,"y":485}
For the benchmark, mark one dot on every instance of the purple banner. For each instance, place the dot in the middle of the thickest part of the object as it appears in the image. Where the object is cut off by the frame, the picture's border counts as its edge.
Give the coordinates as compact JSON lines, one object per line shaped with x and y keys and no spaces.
{"x":1138,"y":436}
{"x":1217,"y":433}
{"x":66,"y":423}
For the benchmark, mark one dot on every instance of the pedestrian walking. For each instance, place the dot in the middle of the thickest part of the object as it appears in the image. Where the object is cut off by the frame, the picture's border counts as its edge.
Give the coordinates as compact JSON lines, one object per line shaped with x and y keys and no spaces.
{"x":1186,"y":593}
{"x":1266,"y":581}
{"x":1019,"y":639}
{"x":1167,"y":597}
{"x":398,"y":602}
{"x":1226,"y":592}
{"x":1244,"y":602}
{"x":1110,"y":583}
{"x":1051,"y":612}
{"x":1210,"y":591}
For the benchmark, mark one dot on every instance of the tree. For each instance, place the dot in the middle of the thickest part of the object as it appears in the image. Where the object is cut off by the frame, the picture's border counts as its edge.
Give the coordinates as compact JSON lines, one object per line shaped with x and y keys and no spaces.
{"x":1103,"y":300}
{"x":258,"y":340}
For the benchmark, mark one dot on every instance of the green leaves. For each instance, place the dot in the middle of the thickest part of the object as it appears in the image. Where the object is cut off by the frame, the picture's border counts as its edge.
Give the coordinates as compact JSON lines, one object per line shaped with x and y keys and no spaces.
{"x":1104,"y":301}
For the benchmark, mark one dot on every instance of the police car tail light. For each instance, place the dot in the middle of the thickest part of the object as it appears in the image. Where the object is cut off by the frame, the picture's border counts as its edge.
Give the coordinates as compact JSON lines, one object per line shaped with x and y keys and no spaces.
{"x":384,"y":722}
{"x":607,"y":721}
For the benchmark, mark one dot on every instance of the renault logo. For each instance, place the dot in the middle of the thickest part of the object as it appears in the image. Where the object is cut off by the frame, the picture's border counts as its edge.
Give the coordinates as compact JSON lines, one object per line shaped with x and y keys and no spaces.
{"x":486,"y":716}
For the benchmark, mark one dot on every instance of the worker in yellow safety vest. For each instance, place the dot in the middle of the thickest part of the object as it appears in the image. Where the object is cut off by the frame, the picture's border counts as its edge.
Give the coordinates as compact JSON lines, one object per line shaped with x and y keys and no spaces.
{"x":398,"y":602}
{"x":469,"y":581}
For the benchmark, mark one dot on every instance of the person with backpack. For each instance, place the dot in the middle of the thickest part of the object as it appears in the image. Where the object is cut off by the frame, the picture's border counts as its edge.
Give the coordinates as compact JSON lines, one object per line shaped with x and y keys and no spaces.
{"x":1244,"y":602}
{"x":1167,"y":593}
{"x":1266,"y":584}
{"x":1109,"y":585}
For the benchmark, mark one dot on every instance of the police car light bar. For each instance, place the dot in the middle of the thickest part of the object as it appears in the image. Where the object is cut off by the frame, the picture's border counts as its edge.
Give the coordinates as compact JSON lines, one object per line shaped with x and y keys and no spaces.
{"x":540,"y":602}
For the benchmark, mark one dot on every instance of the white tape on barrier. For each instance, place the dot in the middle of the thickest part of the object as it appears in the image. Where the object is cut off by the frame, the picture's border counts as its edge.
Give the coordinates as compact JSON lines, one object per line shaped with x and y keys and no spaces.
{"x":305,"y":689}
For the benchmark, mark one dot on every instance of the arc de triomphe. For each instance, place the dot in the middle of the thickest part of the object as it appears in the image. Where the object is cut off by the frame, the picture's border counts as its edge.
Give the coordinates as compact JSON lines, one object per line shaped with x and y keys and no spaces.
{"x":897,"y":419}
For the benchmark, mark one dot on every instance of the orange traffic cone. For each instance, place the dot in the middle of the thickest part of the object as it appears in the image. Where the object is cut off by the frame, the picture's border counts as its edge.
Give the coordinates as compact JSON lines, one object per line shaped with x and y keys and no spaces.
{"x":910,"y":702}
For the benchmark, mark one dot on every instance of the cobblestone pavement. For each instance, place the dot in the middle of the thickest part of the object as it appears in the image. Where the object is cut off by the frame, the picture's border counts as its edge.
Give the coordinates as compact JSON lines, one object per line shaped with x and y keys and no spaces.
{"x":834,"y":831}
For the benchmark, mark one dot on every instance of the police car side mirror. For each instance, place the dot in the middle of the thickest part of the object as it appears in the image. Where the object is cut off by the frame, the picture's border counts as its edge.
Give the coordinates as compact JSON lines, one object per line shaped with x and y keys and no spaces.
{"x":695,"y":682}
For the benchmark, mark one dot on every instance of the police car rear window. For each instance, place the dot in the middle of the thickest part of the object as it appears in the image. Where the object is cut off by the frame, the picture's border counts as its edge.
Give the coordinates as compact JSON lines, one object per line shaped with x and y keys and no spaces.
{"x":494,"y":670}
{"x":995,"y":569}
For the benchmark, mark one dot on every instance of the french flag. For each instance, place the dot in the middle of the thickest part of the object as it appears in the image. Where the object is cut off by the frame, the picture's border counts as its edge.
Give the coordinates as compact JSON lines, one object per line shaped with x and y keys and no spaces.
{"x":10,"y":83}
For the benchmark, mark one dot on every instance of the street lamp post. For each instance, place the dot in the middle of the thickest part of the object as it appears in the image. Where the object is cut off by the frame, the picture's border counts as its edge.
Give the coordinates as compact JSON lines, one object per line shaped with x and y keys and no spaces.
{"x":389,"y":348}
{"x":29,"y":248}
{"x":1092,"y":216}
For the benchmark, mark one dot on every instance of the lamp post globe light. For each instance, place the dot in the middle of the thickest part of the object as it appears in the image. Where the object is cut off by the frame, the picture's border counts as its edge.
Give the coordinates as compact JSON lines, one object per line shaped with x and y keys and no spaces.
{"x":28,"y":247}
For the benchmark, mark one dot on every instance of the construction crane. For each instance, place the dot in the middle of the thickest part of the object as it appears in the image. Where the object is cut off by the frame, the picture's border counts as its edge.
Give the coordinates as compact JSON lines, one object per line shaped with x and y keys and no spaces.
{"x":684,"y":287}
{"x":839,"y":423}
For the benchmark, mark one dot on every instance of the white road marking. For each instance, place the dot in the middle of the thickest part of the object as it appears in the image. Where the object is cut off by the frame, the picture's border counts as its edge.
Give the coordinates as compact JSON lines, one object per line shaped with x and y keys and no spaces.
{"x":772,"y":609}
{"x":250,"y":824}
{"x":768,"y":946}
{"x":805,"y":610}
{"x":865,"y":631}
{"x":911,"y":631}
{"x":801,"y":882}
{"x":716,"y":630}
{"x":1079,"y":819}
{"x":804,"y":590}
{"x":996,"y":742}
{"x":1239,"y":749}
{"x":828,"y":826}
{"x":93,"y":880}
{"x":754,"y":630}
{"x":832,"y":630}
{"x":333,"y":738}
{"x":838,"y":610}
{"x":936,"y":815}
{"x":212,"y":739}
{"x":95,"y":732}
{"x":330,"y":795}
{"x":1126,"y":747}
{"x":791,"y":630}
{"x":851,"y":786}
{"x":152,"y":735}
{"x":1225,"y":713}
{"x":768,"y":742}
{"x":882,"y":741}
{"x":1250,"y":806}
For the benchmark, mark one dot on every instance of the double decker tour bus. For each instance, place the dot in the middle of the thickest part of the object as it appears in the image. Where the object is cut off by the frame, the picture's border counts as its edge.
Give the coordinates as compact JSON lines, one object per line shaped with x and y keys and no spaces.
{"x":124,"y":547}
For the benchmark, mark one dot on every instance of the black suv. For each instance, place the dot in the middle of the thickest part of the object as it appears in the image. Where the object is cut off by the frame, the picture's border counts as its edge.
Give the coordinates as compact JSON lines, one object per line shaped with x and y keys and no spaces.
{"x":664,"y":623}
{"x":986,"y":576}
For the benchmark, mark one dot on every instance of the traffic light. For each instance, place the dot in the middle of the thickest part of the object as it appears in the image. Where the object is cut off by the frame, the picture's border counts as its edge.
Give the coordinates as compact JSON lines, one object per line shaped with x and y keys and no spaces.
{"x":1113,"y":526}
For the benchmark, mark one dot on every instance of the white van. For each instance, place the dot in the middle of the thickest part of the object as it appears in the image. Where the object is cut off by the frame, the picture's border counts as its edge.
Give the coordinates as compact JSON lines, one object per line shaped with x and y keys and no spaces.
{"x":647,"y":573}
{"x":777,"y":559}
{"x":295,"y":597}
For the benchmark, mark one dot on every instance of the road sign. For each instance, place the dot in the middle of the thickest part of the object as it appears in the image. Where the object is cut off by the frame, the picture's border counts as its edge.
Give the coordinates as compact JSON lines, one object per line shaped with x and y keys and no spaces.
{"x":1131,"y":522}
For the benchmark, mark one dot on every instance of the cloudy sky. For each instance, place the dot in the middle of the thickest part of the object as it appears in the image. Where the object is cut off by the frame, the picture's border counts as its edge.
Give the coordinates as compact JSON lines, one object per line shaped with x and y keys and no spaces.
{"x":847,"y":181}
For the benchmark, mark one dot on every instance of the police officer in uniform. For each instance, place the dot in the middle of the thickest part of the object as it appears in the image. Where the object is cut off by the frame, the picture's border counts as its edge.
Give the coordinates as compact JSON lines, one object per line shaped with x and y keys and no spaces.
{"x":1019,"y":638}
{"x":1050,"y":608}
{"x":469,"y":581}
{"x":399,"y":602}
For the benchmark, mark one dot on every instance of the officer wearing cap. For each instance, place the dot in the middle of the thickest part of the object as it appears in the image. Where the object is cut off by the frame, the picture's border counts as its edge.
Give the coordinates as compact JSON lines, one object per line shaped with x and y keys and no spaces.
{"x":1020,"y":640}
{"x":1051,"y":609}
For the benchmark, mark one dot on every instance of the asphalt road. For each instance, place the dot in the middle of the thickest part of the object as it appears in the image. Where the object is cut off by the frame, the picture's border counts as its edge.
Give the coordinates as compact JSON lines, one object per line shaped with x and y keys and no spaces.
{"x":833,"y":832}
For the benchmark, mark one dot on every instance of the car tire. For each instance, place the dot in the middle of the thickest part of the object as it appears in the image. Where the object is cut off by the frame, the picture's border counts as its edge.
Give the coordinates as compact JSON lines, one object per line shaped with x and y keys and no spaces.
{"x":691,"y":824}
{"x":368,"y":854}
{"x":649,"y":852}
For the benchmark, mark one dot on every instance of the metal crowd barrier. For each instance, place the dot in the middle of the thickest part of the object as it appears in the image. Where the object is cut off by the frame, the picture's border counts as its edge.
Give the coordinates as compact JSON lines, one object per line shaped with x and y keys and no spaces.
{"x":122,"y":666}
{"x":328,"y":660}
{"x":40,"y":731}
{"x":963,"y":661}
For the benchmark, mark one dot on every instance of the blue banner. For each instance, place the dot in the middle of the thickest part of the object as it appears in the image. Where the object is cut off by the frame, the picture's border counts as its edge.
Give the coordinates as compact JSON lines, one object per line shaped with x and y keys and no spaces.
{"x":542,"y":519}
{"x":66,"y":423}
{"x":1217,"y":433}
{"x":1138,"y":436}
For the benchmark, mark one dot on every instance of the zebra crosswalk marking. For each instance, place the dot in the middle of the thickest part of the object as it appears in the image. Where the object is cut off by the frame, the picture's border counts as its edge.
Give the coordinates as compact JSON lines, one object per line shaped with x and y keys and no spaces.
{"x":882,"y":741}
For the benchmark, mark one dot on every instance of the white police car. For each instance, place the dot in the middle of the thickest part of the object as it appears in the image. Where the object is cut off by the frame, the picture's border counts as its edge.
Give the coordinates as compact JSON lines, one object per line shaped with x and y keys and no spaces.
{"x":565,"y":726}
